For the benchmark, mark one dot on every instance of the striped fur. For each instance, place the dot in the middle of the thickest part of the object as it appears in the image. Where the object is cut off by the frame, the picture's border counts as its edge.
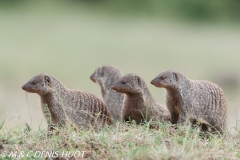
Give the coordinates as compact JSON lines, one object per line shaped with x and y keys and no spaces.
{"x":193,"y":99}
{"x":79,"y":108}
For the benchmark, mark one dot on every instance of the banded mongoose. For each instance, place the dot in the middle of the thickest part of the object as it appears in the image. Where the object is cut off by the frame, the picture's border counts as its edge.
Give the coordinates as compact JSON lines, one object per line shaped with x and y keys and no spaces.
{"x":139,"y":104}
{"x":193,"y":99}
{"x":80,"y":108}
{"x":106,"y":76}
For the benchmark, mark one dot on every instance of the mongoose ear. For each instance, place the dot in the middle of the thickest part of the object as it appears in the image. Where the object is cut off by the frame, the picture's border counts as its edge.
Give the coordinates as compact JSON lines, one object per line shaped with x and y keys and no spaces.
{"x":139,"y":81}
{"x":100,"y":72}
{"x":175,"y":76}
{"x":47,"y":79}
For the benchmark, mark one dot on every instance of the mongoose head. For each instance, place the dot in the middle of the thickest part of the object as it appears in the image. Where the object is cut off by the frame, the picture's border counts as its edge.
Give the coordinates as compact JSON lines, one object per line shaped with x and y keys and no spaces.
{"x":40,"y":84}
{"x":106,"y":75}
{"x":129,"y":84}
{"x":166,"y":79}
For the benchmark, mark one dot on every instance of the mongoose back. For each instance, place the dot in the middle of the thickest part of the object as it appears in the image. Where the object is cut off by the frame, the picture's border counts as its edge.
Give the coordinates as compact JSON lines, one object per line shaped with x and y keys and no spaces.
{"x":193,"y":99}
{"x":80,"y":108}
{"x":106,"y":76}
{"x":139,"y":104}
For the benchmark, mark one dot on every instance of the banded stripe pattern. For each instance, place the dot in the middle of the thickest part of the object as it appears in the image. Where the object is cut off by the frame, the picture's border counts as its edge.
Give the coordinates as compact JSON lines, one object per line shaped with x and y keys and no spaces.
{"x":212,"y":105}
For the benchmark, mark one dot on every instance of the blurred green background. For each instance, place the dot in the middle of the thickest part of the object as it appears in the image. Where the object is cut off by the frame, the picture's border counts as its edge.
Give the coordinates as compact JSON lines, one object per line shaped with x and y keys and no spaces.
{"x":70,"y":39}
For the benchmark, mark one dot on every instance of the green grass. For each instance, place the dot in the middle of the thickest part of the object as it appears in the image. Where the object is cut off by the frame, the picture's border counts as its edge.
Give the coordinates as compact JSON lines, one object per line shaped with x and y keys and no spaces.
{"x":125,"y":141}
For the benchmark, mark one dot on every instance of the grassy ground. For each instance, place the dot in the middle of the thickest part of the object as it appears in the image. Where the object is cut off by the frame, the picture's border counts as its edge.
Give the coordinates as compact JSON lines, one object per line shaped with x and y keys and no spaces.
{"x":121,"y":141}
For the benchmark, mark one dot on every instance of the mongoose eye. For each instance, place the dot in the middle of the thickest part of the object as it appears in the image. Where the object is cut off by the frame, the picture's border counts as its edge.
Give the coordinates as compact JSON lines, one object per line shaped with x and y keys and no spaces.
{"x":33,"y":83}
{"x":162,"y":77}
{"x":123,"y":82}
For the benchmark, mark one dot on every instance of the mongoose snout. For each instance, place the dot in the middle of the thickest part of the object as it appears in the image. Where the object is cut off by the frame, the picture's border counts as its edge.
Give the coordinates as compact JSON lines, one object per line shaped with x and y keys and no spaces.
{"x":114,"y":88}
{"x":27,"y":88}
{"x":30,"y":86}
{"x":93,"y":77}
{"x":156,"y":83}
{"x":24,"y":87}
{"x":152,"y":82}
{"x":117,"y":88}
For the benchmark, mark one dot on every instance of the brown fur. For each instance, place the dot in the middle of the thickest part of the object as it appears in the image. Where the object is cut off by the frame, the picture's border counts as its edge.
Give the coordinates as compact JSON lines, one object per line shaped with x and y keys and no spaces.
{"x":139,"y":104}
{"x":83,"y":109}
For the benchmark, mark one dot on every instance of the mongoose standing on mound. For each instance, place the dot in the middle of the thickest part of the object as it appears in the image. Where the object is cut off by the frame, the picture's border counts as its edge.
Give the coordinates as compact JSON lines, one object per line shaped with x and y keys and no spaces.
{"x":139,"y":105}
{"x":193,"y":99}
{"x":80,"y":108}
{"x":106,"y":76}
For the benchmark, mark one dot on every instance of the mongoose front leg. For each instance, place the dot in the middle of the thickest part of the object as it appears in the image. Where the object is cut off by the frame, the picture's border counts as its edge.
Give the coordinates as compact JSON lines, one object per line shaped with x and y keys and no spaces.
{"x":174,"y":117}
{"x":182,"y":119}
{"x":47,"y":114}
